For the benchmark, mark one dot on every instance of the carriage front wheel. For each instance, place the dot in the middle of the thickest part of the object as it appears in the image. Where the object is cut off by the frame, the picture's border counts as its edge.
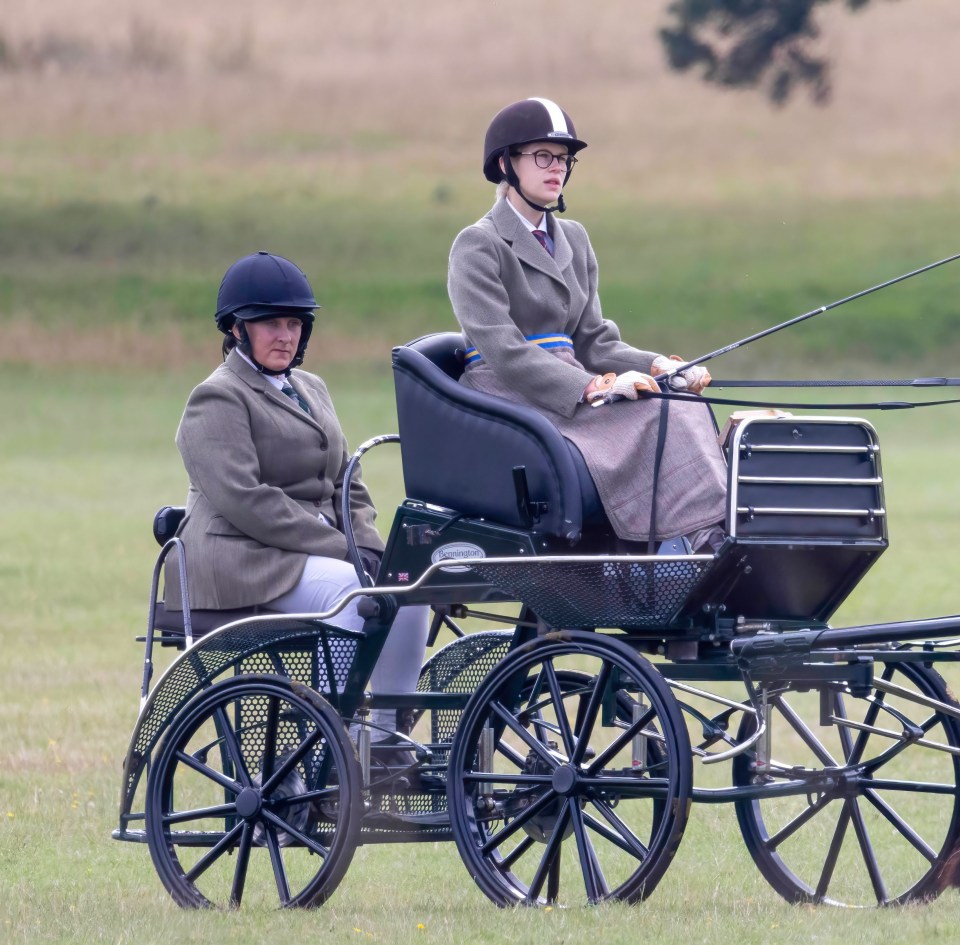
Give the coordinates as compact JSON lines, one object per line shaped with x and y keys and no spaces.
{"x":880,"y":813}
{"x":254,"y":797}
{"x":570,"y":772}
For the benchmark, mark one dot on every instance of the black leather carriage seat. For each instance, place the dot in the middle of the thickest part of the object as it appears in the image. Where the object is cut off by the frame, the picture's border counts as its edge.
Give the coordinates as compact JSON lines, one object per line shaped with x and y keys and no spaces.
{"x":460,"y":447}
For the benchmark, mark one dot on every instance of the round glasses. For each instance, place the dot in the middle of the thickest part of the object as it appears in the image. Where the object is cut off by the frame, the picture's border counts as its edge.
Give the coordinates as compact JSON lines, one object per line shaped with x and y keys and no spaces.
{"x":545,"y":159}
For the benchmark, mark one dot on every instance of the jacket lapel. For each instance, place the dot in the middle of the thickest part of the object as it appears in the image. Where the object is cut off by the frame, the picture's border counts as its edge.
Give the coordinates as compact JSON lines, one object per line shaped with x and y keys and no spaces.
{"x":256,"y":381}
{"x":562,"y":250}
{"x":526,"y":246}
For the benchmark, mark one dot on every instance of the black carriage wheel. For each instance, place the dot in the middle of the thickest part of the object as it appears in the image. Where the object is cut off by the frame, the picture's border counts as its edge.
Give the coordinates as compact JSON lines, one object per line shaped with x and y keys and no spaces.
{"x":254,"y":796}
{"x":882,"y":809}
{"x":570,"y":772}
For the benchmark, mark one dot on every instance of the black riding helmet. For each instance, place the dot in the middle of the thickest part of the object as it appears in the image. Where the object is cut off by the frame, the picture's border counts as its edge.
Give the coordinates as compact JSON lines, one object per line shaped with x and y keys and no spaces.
{"x":261,"y":286}
{"x":533,"y":119}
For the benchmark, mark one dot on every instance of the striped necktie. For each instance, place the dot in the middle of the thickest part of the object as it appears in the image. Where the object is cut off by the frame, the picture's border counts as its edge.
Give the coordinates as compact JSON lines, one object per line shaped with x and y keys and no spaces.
{"x":294,"y":396}
{"x":542,"y":239}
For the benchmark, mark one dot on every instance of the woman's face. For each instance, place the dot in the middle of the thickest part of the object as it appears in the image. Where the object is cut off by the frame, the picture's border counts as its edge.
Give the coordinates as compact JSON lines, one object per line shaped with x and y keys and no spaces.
{"x":542,"y":185}
{"x":273,"y":341}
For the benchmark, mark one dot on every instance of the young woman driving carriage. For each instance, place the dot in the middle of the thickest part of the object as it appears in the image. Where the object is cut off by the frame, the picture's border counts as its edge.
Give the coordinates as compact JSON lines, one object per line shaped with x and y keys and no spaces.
{"x":523,"y":284}
{"x":266,"y":457}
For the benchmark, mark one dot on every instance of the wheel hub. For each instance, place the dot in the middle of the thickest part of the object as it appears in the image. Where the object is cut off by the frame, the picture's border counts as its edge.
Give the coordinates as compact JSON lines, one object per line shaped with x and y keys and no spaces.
{"x":249,"y":803}
{"x":565,"y":780}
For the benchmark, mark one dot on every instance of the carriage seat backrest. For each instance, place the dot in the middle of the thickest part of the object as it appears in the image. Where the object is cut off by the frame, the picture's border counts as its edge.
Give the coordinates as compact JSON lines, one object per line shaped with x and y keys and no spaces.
{"x":459,"y":447}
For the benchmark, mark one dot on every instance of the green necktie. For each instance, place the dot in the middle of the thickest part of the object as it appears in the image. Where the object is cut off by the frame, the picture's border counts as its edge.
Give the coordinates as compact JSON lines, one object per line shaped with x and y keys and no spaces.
{"x":295,"y":397}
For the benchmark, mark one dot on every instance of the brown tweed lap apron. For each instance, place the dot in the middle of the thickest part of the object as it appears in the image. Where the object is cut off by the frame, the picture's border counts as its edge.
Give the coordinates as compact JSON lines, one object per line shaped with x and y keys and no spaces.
{"x":618,"y":442}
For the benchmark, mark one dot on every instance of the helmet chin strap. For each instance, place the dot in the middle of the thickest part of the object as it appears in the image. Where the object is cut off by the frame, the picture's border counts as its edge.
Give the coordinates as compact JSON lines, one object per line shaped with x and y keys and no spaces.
{"x":514,"y":181}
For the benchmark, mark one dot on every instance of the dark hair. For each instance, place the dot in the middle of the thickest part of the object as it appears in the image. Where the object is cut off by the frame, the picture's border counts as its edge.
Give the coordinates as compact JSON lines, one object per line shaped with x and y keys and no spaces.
{"x":229,"y":343}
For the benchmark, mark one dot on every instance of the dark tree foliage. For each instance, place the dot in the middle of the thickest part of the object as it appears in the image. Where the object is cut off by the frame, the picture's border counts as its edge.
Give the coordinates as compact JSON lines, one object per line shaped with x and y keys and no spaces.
{"x":769,"y":44}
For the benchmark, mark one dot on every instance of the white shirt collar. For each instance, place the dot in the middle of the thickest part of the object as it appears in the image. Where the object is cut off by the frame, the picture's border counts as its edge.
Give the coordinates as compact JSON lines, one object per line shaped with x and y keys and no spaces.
{"x":530,"y":226}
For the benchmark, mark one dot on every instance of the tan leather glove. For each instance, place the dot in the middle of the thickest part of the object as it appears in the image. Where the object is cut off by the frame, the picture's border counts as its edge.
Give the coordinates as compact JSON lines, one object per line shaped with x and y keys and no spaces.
{"x":597,"y":389}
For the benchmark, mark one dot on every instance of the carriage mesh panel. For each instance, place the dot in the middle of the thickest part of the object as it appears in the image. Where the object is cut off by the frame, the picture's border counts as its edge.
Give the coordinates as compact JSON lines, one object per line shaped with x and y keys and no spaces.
{"x":299,"y":649}
{"x":601,"y":593}
{"x":459,"y":667}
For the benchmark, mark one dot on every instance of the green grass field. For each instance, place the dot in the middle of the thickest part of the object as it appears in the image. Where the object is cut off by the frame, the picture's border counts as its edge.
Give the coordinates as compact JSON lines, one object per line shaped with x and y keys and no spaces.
{"x":90,"y":457}
{"x":125,"y":192}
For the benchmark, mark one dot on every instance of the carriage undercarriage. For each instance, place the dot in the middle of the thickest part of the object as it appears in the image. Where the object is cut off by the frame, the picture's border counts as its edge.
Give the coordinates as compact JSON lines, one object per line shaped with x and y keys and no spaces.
{"x":560,"y":751}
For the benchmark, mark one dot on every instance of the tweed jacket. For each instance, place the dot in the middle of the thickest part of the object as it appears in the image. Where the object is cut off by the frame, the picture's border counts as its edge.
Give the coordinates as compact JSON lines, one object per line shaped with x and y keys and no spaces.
{"x":503,"y":285}
{"x":262,"y":472}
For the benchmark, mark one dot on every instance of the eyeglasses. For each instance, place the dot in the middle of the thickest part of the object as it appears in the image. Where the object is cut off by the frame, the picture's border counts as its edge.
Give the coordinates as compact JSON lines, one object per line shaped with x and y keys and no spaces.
{"x":545,"y":159}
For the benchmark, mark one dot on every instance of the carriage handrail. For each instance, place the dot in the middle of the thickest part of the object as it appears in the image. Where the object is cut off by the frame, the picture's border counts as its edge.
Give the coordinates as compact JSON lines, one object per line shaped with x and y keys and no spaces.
{"x":354,"y":555}
{"x":185,"y":597}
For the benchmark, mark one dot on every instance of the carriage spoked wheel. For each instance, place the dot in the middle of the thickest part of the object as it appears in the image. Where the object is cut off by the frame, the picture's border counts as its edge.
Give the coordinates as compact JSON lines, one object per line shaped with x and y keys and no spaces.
{"x":880,"y":811}
{"x":254,"y":797}
{"x":570,"y":774}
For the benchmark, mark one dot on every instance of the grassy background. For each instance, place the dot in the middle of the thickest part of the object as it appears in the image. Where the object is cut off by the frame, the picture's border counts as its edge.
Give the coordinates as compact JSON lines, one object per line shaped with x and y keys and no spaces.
{"x":142,"y":151}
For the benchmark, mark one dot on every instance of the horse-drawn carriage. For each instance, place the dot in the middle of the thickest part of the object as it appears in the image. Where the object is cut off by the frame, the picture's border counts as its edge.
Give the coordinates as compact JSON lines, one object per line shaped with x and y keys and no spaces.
{"x":558,"y":752}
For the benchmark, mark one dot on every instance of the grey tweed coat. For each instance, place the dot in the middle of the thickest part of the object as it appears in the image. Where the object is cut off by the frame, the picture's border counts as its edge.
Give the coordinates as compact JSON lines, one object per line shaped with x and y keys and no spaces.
{"x":503,"y":285}
{"x":261,"y":472}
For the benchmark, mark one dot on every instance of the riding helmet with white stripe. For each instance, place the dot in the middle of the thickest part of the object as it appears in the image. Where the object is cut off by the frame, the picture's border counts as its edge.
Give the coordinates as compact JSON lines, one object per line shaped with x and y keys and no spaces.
{"x":533,"y":119}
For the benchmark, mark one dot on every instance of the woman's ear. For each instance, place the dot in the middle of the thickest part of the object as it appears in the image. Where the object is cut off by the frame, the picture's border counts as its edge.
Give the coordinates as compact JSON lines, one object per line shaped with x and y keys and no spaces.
{"x":235,"y":331}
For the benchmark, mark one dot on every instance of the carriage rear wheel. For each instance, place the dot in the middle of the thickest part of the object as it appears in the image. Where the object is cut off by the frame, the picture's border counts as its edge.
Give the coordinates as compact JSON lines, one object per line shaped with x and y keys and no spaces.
{"x":254,"y":797}
{"x":882,"y":810}
{"x":570,"y":771}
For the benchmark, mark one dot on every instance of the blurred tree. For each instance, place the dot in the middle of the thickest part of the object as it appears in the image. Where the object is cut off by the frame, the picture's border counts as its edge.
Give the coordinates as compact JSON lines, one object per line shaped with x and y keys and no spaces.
{"x":769,"y":44}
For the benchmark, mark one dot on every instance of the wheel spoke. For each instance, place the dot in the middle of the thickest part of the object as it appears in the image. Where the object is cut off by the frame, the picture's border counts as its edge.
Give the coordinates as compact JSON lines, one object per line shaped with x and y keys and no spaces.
{"x":270,"y":740}
{"x":593,"y":878}
{"x":276,"y":859}
{"x":510,"y":753}
{"x":866,"y":850}
{"x":553,"y":877}
{"x":551,"y":853}
{"x":208,"y":859}
{"x":291,"y":760}
{"x":234,"y":752}
{"x":801,"y":728}
{"x":901,"y":826}
{"x":296,"y":833}
{"x":510,"y":829}
{"x":635,"y":728}
{"x":192,"y":762}
{"x":830,"y":863}
{"x":199,"y":813}
{"x":517,"y":728}
{"x":621,"y":836}
{"x":787,"y":831}
{"x":514,"y":855}
{"x":566,"y":734}
{"x":243,"y":861}
{"x":590,"y":713}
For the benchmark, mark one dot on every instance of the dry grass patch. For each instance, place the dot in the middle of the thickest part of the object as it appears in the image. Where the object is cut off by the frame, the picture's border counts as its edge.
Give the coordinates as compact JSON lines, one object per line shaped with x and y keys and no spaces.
{"x":422,"y":79}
